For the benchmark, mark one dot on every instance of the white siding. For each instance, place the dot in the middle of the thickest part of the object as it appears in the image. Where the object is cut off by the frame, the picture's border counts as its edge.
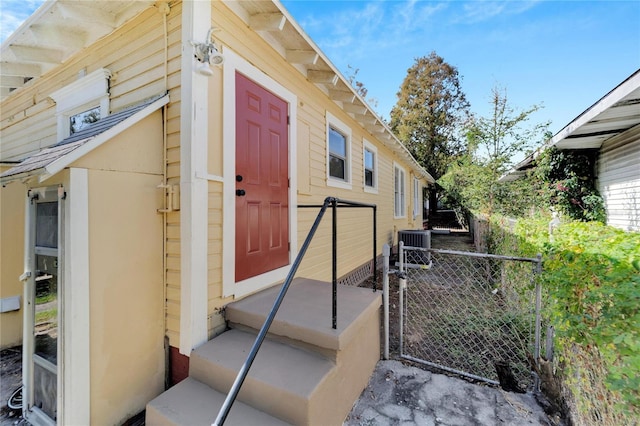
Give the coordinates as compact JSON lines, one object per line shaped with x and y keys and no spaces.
{"x":619,"y":179}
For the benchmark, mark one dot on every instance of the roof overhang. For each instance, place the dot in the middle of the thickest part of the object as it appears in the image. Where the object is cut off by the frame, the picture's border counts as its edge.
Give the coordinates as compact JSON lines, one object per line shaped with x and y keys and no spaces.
{"x":615,"y":113}
{"x":276,"y":26}
{"x":50,"y":161}
{"x":61,"y":28}
{"x":56,"y":31}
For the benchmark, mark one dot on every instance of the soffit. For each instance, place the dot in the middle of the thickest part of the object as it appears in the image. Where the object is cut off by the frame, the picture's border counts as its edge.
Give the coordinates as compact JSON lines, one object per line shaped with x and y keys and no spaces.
{"x":277,"y":27}
{"x":56,"y":31}
{"x":615,"y":113}
{"x":60,"y":29}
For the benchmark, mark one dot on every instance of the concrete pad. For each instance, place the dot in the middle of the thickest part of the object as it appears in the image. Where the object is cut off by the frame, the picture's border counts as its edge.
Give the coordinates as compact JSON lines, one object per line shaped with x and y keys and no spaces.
{"x":401,"y":394}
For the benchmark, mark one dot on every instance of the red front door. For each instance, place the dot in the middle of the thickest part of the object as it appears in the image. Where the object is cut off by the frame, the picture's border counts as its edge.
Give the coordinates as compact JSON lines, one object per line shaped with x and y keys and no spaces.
{"x":262,"y":180}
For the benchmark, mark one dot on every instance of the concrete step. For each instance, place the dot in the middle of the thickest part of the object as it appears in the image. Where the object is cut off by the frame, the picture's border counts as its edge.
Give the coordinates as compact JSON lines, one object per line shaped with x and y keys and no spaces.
{"x":306,"y":373}
{"x":305,"y":316}
{"x":191,"y":403}
{"x":284,"y":381}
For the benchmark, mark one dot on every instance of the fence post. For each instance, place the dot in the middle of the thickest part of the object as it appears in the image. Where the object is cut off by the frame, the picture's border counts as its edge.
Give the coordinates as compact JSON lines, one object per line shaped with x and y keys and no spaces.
{"x":402,"y":284}
{"x":386,"y":251}
{"x":538,"y":270}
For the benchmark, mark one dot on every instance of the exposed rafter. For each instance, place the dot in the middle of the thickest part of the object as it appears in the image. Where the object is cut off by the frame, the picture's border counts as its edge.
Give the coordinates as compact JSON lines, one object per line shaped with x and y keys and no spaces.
{"x":342,"y":95}
{"x":304,"y":57}
{"x":56,"y":31}
{"x":267,"y":22}
{"x":329,"y":78}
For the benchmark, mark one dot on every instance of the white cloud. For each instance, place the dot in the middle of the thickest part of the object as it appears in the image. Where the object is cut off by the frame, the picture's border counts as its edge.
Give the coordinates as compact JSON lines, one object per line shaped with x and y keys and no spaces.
{"x":478,"y":11}
{"x":363,"y":28}
{"x":13,"y":13}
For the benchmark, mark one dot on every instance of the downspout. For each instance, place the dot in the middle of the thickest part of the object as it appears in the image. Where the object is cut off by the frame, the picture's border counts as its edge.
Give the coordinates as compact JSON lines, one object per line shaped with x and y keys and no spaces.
{"x":164,"y":10}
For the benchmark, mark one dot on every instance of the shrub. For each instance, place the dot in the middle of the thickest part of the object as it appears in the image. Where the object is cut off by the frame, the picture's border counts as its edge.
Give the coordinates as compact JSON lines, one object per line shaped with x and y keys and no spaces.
{"x":591,"y":282}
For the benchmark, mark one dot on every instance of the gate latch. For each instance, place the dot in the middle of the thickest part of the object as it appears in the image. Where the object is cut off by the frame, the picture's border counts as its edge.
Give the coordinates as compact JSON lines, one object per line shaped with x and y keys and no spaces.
{"x":24,"y":277}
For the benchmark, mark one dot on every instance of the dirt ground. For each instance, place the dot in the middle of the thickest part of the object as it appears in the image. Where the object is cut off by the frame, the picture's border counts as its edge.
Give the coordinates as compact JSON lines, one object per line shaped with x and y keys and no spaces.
{"x":10,"y":380}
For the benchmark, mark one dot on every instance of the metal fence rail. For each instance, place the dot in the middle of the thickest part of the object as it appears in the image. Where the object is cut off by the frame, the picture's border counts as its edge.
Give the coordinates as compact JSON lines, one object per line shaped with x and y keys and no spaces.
{"x":466,"y":312}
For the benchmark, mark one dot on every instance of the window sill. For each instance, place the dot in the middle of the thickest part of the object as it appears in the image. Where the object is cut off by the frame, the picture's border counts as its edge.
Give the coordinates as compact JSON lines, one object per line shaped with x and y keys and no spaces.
{"x":338,"y":183}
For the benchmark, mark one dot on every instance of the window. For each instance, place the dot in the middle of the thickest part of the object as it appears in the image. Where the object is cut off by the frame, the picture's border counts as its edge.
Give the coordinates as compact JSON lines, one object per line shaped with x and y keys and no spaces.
{"x":338,"y":153}
{"x":82,"y":102}
{"x":370,"y":166}
{"x":399,"y":191}
{"x":416,"y":197}
{"x":83,"y":119}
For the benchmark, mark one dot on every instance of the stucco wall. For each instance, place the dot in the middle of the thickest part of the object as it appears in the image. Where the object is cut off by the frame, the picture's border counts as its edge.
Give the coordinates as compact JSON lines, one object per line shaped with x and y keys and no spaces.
{"x":126,"y":308}
{"x":12,"y":204}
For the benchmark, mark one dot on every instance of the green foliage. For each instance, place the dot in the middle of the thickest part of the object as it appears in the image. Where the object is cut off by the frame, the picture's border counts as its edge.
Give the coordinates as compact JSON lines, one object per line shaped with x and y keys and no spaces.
{"x":591,"y":278}
{"x":430,"y":110}
{"x":570,"y":183}
{"x":471,"y":183}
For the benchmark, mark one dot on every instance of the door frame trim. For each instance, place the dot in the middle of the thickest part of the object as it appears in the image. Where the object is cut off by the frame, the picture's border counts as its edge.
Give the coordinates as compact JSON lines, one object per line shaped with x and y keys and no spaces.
{"x":233,"y":63}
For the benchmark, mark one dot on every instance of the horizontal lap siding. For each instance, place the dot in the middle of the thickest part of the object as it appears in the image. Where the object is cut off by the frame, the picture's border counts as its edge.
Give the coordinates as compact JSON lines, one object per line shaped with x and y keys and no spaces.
{"x":135,"y":56}
{"x":619,"y":179}
{"x":354,"y":230}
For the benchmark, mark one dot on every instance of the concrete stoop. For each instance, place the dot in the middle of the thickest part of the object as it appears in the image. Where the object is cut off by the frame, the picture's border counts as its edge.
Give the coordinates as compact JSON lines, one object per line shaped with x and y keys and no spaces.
{"x":306,"y":373}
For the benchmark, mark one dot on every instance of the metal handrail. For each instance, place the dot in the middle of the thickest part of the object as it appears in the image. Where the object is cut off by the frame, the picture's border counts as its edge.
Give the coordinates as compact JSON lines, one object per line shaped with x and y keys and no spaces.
{"x":244,"y":370}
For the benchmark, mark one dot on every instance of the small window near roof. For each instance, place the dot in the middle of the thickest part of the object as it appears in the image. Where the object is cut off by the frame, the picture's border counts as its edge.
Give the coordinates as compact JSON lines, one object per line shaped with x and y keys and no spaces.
{"x":82,"y":102}
{"x":338,"y":153}
{"x":83,"y":119}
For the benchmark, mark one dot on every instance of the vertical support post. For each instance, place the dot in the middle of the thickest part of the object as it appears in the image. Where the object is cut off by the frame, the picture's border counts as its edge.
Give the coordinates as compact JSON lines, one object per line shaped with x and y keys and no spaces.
{"x":386,"y":252}
{"x":375,"y":250}
{"x":402,"y":285}
{"x":538,"y":270}
{"x":334,"y":261}
{"x":28,"y":278}
{"x":549,"y":343}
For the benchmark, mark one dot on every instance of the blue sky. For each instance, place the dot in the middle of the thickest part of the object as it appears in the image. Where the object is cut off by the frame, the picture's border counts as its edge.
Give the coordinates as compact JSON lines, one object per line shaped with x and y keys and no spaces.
{"x":564,"y":55}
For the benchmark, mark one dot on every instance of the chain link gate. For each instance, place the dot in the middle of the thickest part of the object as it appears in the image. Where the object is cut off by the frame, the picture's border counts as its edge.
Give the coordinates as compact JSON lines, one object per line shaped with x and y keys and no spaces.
{"x":470,"y":313}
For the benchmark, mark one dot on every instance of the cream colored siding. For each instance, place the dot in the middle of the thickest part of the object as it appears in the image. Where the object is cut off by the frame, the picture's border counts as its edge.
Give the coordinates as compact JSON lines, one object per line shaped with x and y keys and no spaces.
{"x":619,"y":179}
{"x":354,"y":225}
{"x":135,"y":55}
{"x":12,"y":203}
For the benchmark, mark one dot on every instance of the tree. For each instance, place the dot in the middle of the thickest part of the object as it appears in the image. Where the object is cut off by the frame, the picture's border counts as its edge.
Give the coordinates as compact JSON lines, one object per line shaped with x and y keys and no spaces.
{"x":492,"y":144}
{"x":352,"y":73}
{"x":430,"y":110}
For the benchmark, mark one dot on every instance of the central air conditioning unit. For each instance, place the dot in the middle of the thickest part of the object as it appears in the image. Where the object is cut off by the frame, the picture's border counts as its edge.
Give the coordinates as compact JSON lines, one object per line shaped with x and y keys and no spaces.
{"x":416,"y":238}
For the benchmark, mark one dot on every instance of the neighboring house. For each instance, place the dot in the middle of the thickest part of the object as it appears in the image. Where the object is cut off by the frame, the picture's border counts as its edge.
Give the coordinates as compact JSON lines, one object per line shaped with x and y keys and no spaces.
{"x":612,"y":127}
{"x":124,"y":158}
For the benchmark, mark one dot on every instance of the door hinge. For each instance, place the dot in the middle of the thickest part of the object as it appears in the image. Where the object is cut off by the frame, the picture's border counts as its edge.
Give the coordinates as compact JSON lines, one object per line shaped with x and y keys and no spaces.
{"x":288,"y":119}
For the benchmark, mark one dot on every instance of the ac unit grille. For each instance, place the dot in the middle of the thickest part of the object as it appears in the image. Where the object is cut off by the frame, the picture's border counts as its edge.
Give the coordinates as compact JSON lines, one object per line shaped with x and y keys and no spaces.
{"x":417,"y":238}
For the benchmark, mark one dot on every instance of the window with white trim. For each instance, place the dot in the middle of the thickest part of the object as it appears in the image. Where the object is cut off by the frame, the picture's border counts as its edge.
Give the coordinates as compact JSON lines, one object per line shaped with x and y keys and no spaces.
{"x":82,"y":102}
{"x":416,"y":198}
{"x":370,"y":166}
{"x":399,"y":191}
{"x":338,"y":153}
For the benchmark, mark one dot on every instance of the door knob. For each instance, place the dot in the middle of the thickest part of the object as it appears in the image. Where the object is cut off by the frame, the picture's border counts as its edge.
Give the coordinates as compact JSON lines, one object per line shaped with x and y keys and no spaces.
{"x":240,"y":192}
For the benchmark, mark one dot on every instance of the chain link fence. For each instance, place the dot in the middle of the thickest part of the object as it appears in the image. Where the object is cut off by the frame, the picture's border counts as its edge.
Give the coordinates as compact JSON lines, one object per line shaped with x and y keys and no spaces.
{"x":470,"y":313}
